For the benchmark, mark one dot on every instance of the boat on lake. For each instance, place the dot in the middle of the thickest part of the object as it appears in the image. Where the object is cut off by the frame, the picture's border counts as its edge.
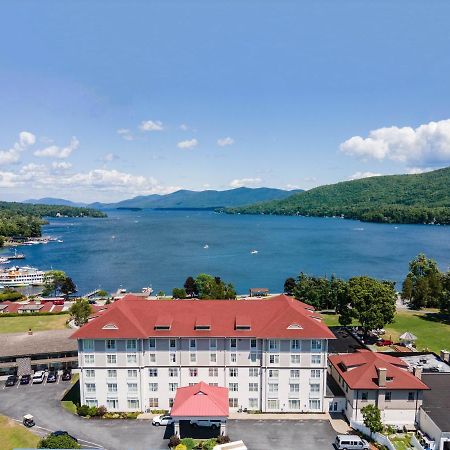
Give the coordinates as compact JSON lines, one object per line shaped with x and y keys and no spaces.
{"x":21,"y":276}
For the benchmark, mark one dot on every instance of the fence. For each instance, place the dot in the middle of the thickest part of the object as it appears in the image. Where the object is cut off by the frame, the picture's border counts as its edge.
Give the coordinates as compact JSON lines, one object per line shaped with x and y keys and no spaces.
{"x":377,"y":437}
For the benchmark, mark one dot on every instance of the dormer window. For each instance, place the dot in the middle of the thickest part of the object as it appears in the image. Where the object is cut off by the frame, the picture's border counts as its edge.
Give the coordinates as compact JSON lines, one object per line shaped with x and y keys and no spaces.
{"x":203,"y":323}
{"x":162,"y":327}
{"x":110,"y":326}
{"x":202,"y":327}
{"x":243,"y":327}
{"x":294,"y":326}
{"x":163,"y":323}
{"x":243,"y":323}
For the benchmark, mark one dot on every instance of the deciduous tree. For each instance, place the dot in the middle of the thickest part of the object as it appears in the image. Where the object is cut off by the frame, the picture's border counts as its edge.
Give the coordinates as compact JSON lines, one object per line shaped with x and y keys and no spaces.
{"x":80,"y":311}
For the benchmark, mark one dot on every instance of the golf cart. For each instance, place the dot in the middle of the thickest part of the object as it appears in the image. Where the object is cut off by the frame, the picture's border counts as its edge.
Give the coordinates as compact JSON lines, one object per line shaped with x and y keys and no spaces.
{"x":28,"y":420}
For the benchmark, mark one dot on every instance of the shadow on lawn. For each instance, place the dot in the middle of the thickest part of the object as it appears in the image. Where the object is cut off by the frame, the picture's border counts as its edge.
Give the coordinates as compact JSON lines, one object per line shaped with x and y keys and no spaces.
{"x":435,"y":317}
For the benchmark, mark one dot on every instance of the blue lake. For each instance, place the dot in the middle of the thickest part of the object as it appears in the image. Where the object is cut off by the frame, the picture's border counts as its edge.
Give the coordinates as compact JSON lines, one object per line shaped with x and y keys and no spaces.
{"x":161,"y":248}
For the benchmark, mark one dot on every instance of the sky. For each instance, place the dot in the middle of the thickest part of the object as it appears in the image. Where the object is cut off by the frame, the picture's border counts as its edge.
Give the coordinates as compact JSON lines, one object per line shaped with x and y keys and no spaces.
{"x":105,"y":100}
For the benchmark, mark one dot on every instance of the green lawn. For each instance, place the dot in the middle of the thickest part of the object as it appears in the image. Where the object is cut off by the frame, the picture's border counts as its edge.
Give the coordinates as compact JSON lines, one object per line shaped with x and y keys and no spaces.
{"x":402,"y":442}
{"x":36,"y":323}
{"x":14,"y":435}
{"x":432,"y":330}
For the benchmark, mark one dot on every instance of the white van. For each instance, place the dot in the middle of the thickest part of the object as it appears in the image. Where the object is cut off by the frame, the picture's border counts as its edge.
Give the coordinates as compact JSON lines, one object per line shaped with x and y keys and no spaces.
{"x":351,"y":442}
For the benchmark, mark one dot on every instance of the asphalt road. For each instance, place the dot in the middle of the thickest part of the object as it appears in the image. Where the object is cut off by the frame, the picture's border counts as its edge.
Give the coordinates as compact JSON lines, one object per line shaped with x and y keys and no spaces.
{"x":43,"y":402}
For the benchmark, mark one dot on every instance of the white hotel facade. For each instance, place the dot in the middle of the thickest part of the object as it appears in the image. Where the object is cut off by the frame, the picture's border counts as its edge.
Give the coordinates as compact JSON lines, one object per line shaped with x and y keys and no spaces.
{"x":271,"y":354}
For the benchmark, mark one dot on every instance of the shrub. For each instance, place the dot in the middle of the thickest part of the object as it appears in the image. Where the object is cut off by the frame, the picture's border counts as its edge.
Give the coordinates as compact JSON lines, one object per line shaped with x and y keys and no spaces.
{"x":62,"y":441}
{"x":92,"y":411}
{"x":209,"y":444}
{"x":101,"y":411}
{"x":174,"y":441}
{"x":83,"y":410}
{"x":223,"y":439}
{"x":189,"y":443}
{"x":180,"y":447}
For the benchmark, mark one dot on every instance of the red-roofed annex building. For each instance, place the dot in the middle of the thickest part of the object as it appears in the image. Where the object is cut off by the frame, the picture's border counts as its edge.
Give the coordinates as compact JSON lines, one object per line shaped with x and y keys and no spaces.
{"x":271,"y":354}
{"x":375,"y":378}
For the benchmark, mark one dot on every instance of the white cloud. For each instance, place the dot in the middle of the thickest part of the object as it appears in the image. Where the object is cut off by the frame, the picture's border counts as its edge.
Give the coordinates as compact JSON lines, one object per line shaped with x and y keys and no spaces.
{"x":359,"y":175}
{"x":236,"y":183}
{"x":191,"y":143}
{"x":150,"y":125}
{"x":53,"y":151}
{"x":9,"y":180}
{"x":61,"y":165}
{"x":110,"y":157}
{"x":427,"y":144}
{"x":12,"y":155}
{"x":125,"y":133}
{"x":223,"y":142}
{"x":291,"y":187}
{"x":184,"y":127}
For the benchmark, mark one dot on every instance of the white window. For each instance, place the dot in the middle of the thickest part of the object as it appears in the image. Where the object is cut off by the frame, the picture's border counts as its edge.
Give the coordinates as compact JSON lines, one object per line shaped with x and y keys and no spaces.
{"x":213,"y":344}
{"x":233,"y":357}
{"x":273,"y":404}
{"x":213,"y":357}
{"x":233,"y":402}
{"x":88,"y":345}
{"x":253,"y":387}
{"x":89,"y":359}
{"x":253,"y":403}
{"x":233,"y":371}
{"x":253,"y":356}
{"x":314,"y":404}
{"x":172,"y":343}
{"x":132,"y":387}
{"x":233,"y":387}
{"x":295,"y":359}
{"x":315,"y":373}
{"x":111,"y":373}
{"x":90,"y":373}
{"x":214,"y":384}
{"x":152,"y":343}
{"x":294,"y":387}
{"x":253,"y":372}
{"x":193,"y":372}
{"x":111,"y":359}
{"x":316,"y":344}
{"x":132,"y":358}
{"x":273,"y":344}
{"x":295,"y":344}
{"x":110,"y":344}
{"x":316,"y":359}
{"x":173,"y":387}
{"x":112,"y":403}
{"x":273,"y":373}
{"x":91,"y":402}
{"x":274,"y":359}
{"x":132,"y":373}
{"x":153,"y":387}
{"x":133,"y":403}
{"x":153,"y":402}
{"x":233,"y":343}
{"x":192,"y":344}
{"x":213,"y":372}
{"x":294,"y":404}
{"x":273,"y":388}
{"x":152,"y":357}
{"x":193,"y":357}
{"x":90,"y":387}
{"x":253,"y":344}
{"x":173,"y":357}
{"x":315,"y":387}
{"x":152,"y":372}
{"x":294,"y":373}
{"x":112,"y":388}
{"x":173,"y":372}
{"x":131,"y":345}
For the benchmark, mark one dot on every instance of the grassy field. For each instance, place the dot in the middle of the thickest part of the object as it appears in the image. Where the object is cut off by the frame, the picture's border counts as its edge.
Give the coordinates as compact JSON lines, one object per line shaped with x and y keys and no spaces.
{"x":432,"y":330}
{"x":402,"y":442}
{"x":36,"y":323}
{"x":14,"y":435}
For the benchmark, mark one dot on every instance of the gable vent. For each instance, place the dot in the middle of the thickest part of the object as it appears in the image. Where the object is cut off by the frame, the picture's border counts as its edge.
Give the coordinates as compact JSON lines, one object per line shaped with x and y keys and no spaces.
{"x":294,"y":326}
{"x":110,"y":326}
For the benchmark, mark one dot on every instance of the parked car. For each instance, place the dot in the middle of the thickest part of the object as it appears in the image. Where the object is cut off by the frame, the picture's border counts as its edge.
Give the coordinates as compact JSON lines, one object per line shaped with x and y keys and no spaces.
{"x":162,"y":420}
{"x":11,"y":380}
{"x":63,"y":433}
{"x":67,"y":375}
{"x":205,"y":423}
{"x":25,"y":379}
{"x":384,"y":343}
{"x":52,"y":376}
{"x":38,"y":377}
{"x":350,"y":442}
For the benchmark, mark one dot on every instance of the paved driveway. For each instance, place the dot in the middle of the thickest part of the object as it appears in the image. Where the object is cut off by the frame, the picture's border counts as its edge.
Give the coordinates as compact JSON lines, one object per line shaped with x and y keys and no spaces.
{"x":43,"y":402}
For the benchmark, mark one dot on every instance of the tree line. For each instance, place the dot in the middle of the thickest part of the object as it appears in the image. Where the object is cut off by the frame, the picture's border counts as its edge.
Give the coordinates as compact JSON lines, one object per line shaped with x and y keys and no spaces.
{"x":205,"y":286}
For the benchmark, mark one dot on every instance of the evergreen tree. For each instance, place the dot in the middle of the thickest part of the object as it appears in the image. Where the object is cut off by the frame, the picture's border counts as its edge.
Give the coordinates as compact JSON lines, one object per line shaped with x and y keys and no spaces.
{"x":190,"y":287}
{"x":289,"y":286}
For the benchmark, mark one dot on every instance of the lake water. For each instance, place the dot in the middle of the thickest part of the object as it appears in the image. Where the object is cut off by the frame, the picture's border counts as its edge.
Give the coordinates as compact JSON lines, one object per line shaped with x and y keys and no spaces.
{"x":161,"y":248}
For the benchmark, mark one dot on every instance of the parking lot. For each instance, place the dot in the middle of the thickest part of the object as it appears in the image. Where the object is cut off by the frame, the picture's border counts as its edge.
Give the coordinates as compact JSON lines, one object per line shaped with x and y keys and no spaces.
{"x":43,"y":402}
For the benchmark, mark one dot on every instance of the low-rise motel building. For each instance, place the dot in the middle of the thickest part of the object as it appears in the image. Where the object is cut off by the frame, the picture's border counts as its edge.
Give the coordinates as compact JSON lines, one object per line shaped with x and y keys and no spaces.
{"x":372,"y":378}
{"x":271,"y":354}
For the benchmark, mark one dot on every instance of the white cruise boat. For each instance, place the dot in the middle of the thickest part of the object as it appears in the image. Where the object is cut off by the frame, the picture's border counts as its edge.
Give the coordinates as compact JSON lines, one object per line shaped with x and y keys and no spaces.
{"x":21,"y":276}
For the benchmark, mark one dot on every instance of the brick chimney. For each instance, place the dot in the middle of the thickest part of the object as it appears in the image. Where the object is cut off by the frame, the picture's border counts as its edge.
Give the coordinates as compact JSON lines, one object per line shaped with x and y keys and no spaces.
{"x":417,"y":372}
{"x":382,"y":375}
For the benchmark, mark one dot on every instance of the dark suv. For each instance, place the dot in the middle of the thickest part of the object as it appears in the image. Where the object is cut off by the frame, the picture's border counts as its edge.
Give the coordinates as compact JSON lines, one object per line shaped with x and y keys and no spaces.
{"x":25,"y":379}
{"x":67,"y":375}
{"x":11,"y":380}
{"x":52,"y":376}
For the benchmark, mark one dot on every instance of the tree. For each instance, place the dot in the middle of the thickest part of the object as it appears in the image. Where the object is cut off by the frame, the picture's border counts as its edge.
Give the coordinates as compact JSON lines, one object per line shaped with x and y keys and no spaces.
{"x":80,"y":311}
{"x":61,"y":441}
{"x":371,"y":302}
{"x":445,"y":297}
{"x":289,"y":286}
{"x":67,"y":287}
{"x":54,"y":279}
{"x":191,"y":287}
{"x":179,"y":293}
{"x":372,"y":418}
{"x":102,"y":293}
{"x":210,"y":287}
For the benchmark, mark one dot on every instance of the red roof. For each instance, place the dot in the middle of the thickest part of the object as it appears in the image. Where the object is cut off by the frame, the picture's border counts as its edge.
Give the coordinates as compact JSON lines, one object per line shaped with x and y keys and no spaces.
{"x":359,"y":371}
{"x":275,"y":317}
{"x":200,"y":400}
